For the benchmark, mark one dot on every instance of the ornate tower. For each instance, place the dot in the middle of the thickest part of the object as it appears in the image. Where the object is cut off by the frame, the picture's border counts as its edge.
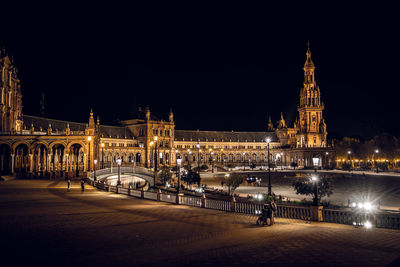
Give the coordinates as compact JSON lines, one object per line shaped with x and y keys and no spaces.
{"x":10,"y":96}
{"x":312,"y":128}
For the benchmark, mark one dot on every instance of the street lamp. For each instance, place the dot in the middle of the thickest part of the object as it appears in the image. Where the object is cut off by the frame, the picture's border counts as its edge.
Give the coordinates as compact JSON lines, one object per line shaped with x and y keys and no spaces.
{"x":198,"y":157}
{"x":95,"y":163}
{"x":189,"y":153}
{"x":89,"y":139}
{"x":315,"y":182}
{"x":269,"y":169}
{"x":178,"y":167}
{"x":244,"y":163}
{"x":212,"y":161}
{"x":314,"y":177}
{"x":351,"y":165}
{"x":376,"y":165}
{"x":327,"y":159}
{"x":102,"y":155}
{"x":119,"y":171}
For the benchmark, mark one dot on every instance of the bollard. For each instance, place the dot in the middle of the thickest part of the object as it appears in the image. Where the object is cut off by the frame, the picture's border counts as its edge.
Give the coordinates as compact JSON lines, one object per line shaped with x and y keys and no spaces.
{"x":159,"y":195}
{"x":233,"y":204}
{"x":203,"y":200}
{"x":142,"y":193}
{"x":316,"y":213}
{"x":179,"y":198}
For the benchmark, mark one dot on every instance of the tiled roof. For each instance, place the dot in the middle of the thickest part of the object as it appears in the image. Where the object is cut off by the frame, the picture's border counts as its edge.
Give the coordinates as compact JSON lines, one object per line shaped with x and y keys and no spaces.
{"x":115,"y":132}
{"x":202,"y":136}
{"x":56,"y":125}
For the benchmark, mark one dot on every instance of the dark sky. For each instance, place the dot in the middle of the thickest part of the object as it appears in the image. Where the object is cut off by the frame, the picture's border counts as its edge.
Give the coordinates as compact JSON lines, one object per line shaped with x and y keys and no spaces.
{"x":219,"y":67}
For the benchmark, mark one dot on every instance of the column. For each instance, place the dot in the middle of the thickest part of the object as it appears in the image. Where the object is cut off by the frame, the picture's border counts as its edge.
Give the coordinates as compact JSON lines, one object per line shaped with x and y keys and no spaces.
{"x":85,"y":162}
{"x":30,"y":163}
{"x":66,"y":162}
{"x":12,"y":163}
{"x":48,"y":162}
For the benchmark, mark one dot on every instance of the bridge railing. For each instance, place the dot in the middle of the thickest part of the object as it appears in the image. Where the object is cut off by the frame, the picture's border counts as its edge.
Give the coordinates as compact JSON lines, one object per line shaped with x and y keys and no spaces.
{"x":133,"y":170}
{"x":380,"y":219}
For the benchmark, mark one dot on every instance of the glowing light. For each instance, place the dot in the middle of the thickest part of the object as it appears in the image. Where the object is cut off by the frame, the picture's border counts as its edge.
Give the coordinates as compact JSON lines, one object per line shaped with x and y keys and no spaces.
{"x":354,"y":204}
{"x":368,"y":206}
{"x":89,"y":138}
{"x":268,"y":140}
{"x":314,"y":178}
{"x":155,"y":138}
{"x":360,"y":205}
{"x":368,"y":225}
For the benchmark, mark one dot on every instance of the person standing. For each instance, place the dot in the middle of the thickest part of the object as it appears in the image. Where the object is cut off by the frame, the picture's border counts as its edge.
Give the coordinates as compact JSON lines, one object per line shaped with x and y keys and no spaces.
{"x":272,"y":212}
{"x":69,"y":185}
{"x":83,"y":185}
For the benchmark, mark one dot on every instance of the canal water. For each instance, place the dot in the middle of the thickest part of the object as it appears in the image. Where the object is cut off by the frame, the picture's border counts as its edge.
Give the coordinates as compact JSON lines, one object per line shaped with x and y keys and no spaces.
{"x":380,"y":189}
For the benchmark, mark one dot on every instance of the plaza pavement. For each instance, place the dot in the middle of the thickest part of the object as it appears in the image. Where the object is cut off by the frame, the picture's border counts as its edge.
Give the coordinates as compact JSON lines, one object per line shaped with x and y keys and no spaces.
{"x":43,"y":225}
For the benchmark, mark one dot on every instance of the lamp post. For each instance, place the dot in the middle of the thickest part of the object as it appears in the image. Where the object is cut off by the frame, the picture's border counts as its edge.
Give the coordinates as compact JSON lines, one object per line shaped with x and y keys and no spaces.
{"x":178,"y":168}
{"x":376,"y":155}
{"x":351,"y":165}
{"x":151,"y":155}
{"x":95,"y":163}
{"x":327,"y":160}
{"x":155,"y":160}
{"x":198,"y":157}
{"x":314,"y":177}
{"x":102,"y":155}
{"x":244,"y":162}
{"x":269,"y":169}
{"x":189,"y":153}
{"x":89,"y":139}
{"x":212,"y":162}
{"x":119,"y":171}
{"x":315,"y":182}
{"x":281,"y":158}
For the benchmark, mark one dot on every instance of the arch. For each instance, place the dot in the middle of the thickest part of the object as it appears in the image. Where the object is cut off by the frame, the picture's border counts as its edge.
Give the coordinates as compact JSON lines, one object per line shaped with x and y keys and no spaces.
{"x":83,"y":145}
{"x":36,"y":143}
{"x":5,"y":158}
{"x":16,"y":144}
{"x":138,"y":157}
{"x":52,"y":144}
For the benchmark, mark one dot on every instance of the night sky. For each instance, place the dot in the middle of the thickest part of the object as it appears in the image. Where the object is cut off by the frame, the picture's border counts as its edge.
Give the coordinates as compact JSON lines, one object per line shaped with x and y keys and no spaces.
{"x":218,"y":67}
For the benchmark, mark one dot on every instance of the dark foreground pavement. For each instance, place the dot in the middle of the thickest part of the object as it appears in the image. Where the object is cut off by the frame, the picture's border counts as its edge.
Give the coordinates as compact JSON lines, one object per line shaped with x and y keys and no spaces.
{"x":42,"y":224}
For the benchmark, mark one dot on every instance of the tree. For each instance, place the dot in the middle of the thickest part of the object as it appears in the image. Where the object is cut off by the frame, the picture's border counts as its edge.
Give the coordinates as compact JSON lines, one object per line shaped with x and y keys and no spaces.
{"x":232,"y":181}
{"x":307,"y":187}
{"x":191,"y":177}
{"x":165,"y":175}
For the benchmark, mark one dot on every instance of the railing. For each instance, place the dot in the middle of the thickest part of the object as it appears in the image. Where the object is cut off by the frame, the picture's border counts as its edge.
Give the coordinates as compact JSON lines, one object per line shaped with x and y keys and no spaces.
{"x":345,"y":217}
{"x":171,"y":198}
{"x":351,"y":217}
{"x":191,"y":201}
{"x":293,"y":212}
{"x":134,"y":170}
{"x":248,"y":208}
{"x":218,"y":204}
{"x":388,"y":220}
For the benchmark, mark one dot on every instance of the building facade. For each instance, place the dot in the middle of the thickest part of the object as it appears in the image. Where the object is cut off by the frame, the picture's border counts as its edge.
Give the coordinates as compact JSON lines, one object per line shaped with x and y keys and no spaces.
{"x":42,"y":146}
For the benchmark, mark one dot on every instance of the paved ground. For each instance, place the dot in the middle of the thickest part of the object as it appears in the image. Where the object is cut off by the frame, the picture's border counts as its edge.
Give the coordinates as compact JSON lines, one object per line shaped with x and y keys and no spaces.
{"x":42,"y":224}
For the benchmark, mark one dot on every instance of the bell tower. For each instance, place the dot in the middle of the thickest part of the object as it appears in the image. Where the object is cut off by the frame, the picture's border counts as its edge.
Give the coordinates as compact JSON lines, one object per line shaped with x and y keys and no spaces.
{"x":10,"y":95}
{"x":312,"y":127}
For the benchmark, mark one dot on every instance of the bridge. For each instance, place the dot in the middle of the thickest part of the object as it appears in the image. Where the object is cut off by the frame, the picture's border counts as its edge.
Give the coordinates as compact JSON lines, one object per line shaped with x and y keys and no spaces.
{"x":134,"y":175}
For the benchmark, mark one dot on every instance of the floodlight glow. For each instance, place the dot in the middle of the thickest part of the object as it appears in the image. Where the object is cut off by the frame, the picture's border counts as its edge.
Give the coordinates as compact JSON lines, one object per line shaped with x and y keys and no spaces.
{"x":367,"y":206}
{"x":360,"y":205}
{"x":354,"y":223}
{"x":314,"y":178}
{"x":268,"y":140}
{"x":368,"y":225}
{"x":354,"y":204}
